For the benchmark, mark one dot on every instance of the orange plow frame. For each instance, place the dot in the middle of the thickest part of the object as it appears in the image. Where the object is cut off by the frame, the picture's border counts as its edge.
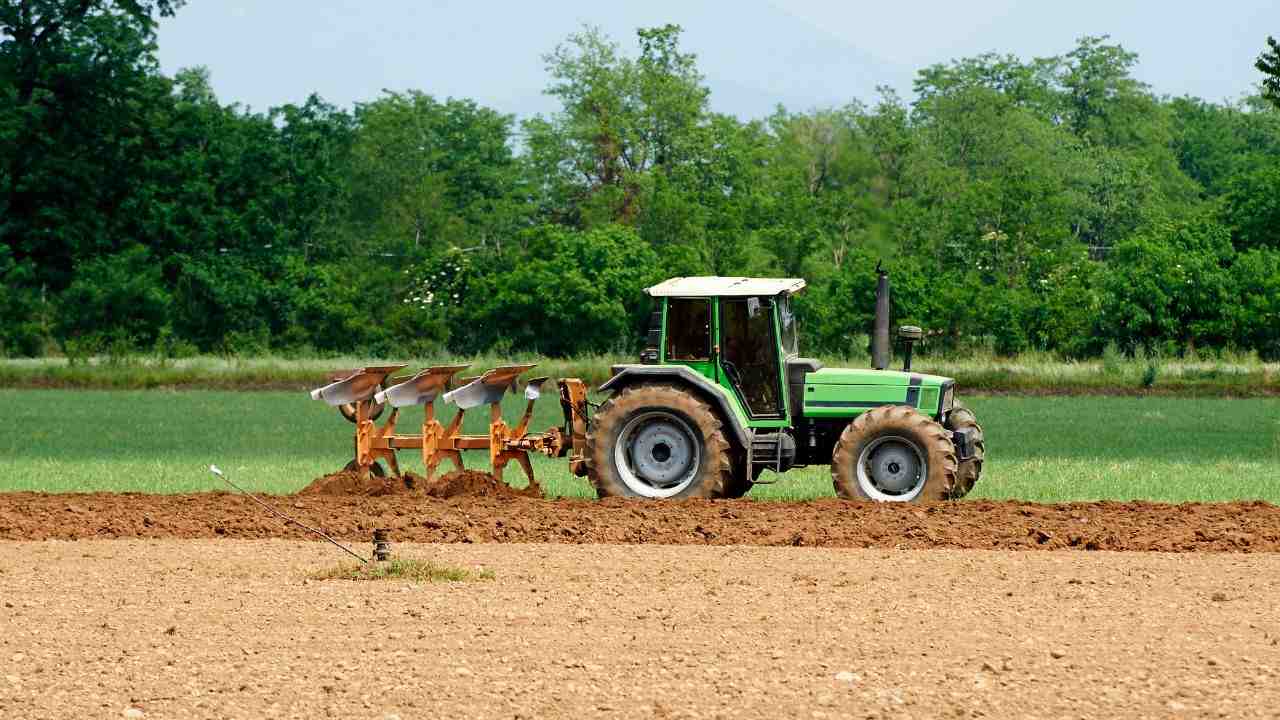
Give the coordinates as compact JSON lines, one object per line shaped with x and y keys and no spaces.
{"x":438,"y":442}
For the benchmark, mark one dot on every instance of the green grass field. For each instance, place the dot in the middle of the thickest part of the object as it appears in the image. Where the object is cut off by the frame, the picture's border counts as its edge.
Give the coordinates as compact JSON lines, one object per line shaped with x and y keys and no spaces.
{"x":1045,"y":449}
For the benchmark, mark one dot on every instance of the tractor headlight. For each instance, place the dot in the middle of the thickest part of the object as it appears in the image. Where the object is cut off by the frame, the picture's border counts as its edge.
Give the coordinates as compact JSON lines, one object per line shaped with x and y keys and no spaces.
{"x":948,"y":398}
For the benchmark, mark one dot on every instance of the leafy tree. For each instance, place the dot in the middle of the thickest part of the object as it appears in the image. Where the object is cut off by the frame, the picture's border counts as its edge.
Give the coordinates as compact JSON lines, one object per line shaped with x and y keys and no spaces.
{"x":1269,"y":65}
{"x":1168,"y":288}
{"x":427,"y":174}
{"x":569,"y":292}
{"x":21,"y":329}
{"x":1251,"y":209}
{"x":620,"y":118}
{"x":1215,"y":143}
{"x":73,"y":76}
{"x":119,"y":297}
{"x":1255,"y":313}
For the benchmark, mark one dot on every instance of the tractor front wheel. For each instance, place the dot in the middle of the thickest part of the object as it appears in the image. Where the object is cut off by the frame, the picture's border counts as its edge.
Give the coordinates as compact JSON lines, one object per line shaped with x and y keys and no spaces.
{"x":969,"y":470}
{"x":658,"y":441}
{"x":894,"y":454}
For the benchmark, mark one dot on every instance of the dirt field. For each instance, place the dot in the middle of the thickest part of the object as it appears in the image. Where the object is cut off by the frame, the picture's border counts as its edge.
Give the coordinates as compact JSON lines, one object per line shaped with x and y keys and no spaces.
{"x":231,"y":628}
{"x":201,"y":606}
{"x":1230,"y":527}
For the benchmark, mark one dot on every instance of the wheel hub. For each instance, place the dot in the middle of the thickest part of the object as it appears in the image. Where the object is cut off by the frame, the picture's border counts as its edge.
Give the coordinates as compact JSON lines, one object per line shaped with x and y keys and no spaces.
{"x":657,"y":454}
{"x":891,"y":468}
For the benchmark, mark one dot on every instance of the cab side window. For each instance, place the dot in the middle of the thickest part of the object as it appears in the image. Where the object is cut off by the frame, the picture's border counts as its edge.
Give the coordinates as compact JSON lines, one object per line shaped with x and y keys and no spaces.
{"x":688,"y":329}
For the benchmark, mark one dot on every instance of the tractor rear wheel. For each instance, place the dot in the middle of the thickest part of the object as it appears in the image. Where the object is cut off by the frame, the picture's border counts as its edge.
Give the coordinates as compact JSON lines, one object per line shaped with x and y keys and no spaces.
{"x":894,"y":454}
{"x":970,"y":470}
{"x":658,"y":441}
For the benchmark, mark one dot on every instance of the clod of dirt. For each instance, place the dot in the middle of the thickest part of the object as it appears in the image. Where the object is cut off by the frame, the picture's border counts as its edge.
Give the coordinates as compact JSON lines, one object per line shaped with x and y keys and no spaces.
{"x":468,"y":483}
{"x":349,"y":483}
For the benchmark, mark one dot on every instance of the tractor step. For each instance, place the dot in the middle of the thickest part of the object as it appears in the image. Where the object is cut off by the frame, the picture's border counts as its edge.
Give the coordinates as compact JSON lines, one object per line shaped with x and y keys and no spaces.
{"x":775,"y":451}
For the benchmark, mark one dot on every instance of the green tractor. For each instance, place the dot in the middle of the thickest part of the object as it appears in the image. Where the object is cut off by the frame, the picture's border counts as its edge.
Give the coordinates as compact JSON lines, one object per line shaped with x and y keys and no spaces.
{"x":721,"y":394}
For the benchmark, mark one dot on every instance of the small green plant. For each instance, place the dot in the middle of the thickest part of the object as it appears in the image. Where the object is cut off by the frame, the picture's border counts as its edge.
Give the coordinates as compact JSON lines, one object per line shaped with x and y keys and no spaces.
{"x":1149,"y":376}
{"x":401,"y":569}
{"x":1112,"y":359}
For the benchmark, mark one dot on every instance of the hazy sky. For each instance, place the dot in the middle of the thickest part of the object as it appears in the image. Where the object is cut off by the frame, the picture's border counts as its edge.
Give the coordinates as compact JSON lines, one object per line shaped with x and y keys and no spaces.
{"x":755,"y":53}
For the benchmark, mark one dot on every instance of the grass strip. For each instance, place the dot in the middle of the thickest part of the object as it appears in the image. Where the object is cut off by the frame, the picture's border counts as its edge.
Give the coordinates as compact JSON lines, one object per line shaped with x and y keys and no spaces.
{"x":401,"y":569}
{"x":1030,"y":374}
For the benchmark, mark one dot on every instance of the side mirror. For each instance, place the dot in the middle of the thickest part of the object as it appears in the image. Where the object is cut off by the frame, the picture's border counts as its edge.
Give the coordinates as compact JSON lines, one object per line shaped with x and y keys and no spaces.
{"x":909,"y":335}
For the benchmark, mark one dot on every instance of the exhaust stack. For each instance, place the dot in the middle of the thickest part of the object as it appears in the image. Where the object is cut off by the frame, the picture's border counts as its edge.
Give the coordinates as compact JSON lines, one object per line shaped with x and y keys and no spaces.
{"x":880,"y":335}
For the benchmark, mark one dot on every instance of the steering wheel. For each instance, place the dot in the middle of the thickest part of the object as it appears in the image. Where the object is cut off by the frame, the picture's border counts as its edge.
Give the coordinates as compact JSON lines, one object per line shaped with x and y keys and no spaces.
{"x":731,"y":371}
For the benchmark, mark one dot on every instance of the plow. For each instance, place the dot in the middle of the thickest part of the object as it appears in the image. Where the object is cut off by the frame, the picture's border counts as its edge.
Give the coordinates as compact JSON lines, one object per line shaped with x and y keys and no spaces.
{"x":361,"y":396}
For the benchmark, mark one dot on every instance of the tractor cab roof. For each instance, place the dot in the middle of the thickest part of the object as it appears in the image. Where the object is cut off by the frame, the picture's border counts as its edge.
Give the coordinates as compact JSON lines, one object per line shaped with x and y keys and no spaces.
{"x":726,"y":287}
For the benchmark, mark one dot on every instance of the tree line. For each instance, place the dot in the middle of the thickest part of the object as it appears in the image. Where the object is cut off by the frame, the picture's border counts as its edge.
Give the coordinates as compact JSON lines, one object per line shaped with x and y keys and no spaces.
{"x":1055,"y":203}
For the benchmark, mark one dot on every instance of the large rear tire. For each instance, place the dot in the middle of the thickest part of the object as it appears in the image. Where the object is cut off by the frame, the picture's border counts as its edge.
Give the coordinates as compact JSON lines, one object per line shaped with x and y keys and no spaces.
{"x":894,"y":454}
{"x":970,"y":470}
{"x":658,"y":441}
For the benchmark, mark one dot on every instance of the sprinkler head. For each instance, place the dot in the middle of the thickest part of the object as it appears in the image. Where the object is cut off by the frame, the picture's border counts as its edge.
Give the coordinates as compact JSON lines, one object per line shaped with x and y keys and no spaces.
{"x":381,"y":544}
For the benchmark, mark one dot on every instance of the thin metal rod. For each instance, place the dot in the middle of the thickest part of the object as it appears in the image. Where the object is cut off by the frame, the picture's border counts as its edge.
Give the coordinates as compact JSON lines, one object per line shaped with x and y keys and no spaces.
{"x":252,"y":497}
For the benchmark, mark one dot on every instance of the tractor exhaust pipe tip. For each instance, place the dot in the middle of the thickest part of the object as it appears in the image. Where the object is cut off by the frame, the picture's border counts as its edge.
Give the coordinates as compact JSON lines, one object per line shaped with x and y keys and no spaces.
{"x":909,"y":335}
{"x":880,"y":336}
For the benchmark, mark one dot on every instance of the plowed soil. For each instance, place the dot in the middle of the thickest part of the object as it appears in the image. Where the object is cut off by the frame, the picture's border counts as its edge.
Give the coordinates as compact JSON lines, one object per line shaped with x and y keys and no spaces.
{"x":469,"y":483}
{"x":510,"y":517}
{"x":234,"y":629}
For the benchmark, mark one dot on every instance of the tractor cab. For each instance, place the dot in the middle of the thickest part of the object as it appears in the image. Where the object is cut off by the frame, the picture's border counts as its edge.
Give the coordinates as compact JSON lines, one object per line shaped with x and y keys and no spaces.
{"x":740,"y":333}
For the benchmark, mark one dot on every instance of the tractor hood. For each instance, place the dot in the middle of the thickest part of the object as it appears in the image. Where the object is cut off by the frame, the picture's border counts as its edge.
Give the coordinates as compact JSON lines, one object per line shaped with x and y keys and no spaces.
{"x":861,"y":376}
{"x":846,"y":392}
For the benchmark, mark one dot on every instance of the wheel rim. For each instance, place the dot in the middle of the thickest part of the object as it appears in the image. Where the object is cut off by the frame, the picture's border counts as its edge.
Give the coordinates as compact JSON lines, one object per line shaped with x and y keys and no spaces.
{"x":892,"y":469}
{"x":657,"y":454}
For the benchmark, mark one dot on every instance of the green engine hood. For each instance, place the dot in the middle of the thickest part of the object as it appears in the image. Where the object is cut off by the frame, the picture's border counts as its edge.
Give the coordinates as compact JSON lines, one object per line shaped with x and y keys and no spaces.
{"x":862,"y":376}
{"x":847,"y":392}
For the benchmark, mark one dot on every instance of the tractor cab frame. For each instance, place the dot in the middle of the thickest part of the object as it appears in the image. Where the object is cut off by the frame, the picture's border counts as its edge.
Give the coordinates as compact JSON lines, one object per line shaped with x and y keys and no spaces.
{"x":739,"y":333}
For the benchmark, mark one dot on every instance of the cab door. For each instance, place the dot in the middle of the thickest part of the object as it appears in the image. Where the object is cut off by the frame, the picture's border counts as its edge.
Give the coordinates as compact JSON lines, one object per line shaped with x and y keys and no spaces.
{"x":748,"y":356}
{"x":687,"y":332}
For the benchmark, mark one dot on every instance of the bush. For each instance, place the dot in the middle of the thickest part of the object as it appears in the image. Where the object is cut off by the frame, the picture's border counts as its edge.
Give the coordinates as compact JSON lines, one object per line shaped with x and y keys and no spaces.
{"x":335,"y":307}
{"x":1252,"y":209}
{"x":21,"y":332}
{"x":1169,"y":286}
{"x":1255,"y":315}
{"x":220,"y":303}
{"x":120,"y":298}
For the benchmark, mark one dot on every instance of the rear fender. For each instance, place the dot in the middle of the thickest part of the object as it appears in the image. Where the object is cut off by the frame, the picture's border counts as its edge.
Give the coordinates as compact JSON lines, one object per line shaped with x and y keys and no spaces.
{"x":625,"y":375}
